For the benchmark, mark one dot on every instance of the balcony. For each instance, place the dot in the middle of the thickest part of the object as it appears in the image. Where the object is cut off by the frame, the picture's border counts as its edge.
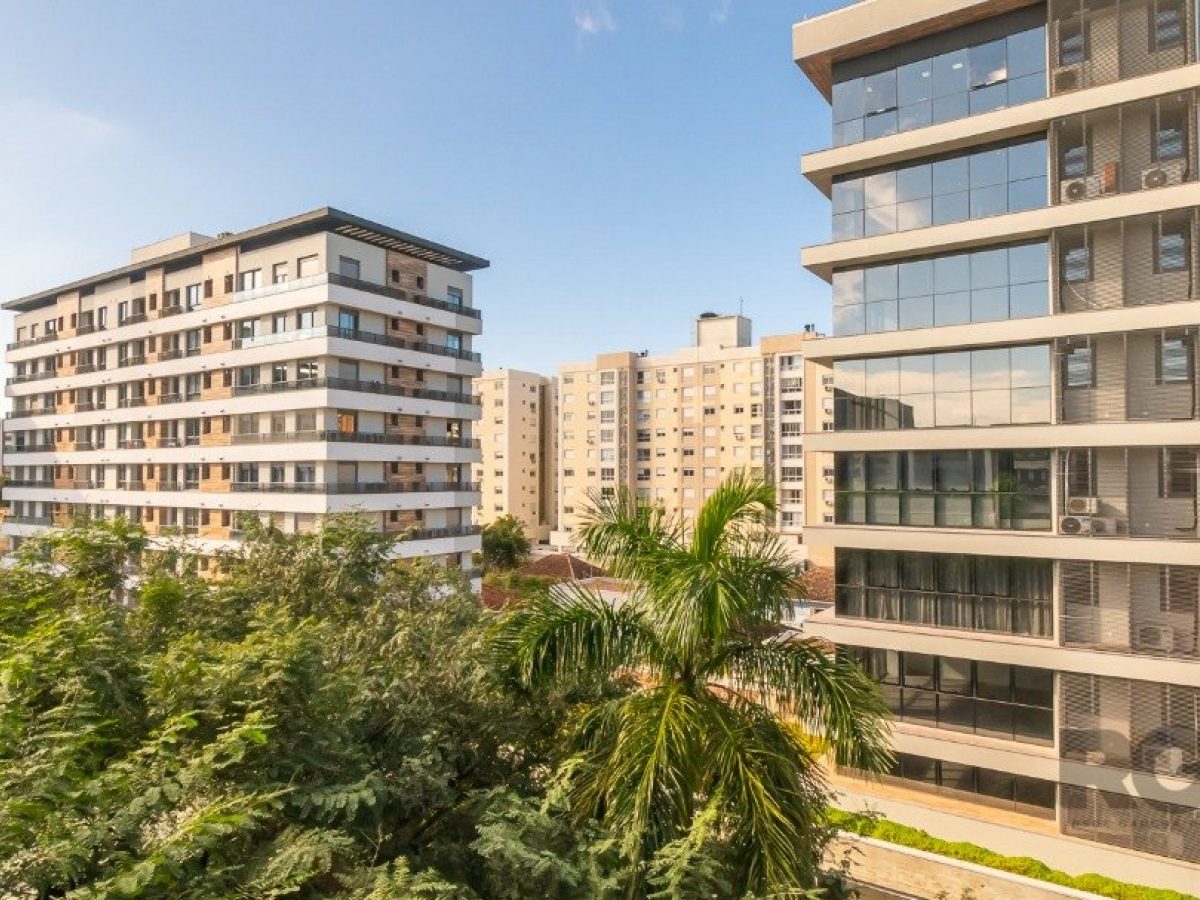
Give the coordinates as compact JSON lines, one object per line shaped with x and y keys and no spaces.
{"x":1144,"y":376}
{"x":127,"y":361}
{"x":42,"y":447}
{"x":32,"y":376}
{"x":1139,"y":726}
{"x":350,"y":384}
{"x":354,"y":437}
{"x":1137,"y":608}
{"x":134,"y":319}
{"x":131,"y":402}
{"x":353,"y":487}
{"x":1129,"y":492}
{"x":359,"y":284}
{"x":1122,"y":149}
{"x":131,"y":444}
{"x":44,"y":521}
{"x":430,"y":534}
{"x":88,"y":328}
{"x":32,"y":342}
{"x":1095,"y":42}
{"x":29,"y":483}
{"x":171,"y":310}
{"x":352,"y":334}
{"x":165,"y":355}
{"x":1139,"y":261}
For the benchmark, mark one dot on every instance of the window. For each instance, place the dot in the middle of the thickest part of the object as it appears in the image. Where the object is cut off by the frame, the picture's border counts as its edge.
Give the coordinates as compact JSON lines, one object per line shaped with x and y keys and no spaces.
{"x":1170,"y":134}
{"x":1171,"y":248}
{"x":251,"y":280}
{"x":1079,"y":367}
{"x":279,"y":273}
{"x":1074,"y":47}
{"x":307,"y":266}
{"x":1075,"y":263}
{"x":1075,"y":157}
{"x":454,"y":296}
{"x":191,"y":295}
{"x":348,"y":267}
{"x":961,"y":81}
{"x":306,"y":318}
{"x":1176,"y":359}
{"x":1166,"y":24}
{"x":1178,"y":472}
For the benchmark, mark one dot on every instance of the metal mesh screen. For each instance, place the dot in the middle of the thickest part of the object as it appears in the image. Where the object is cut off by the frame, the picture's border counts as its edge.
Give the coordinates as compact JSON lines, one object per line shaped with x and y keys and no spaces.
{"x":1163,"y":829}
{"x":1129,"y":492}
{"x":1139,"y":725}
{"x":1131,"y":262}
{"x":1126,"y":377}
{"x":1095,"y":42}
{"x":1130,"y":607}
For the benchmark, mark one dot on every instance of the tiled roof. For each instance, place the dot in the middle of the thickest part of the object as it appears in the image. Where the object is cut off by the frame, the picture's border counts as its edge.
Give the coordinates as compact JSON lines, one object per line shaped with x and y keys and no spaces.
{"x":562,"y":566}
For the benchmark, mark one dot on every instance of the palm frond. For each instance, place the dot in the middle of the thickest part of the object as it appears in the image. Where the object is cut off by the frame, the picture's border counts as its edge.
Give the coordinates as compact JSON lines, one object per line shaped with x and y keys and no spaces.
{"x":772,"y":789}
{"x":624,"y":535}
{"x":828,"y":694}
{"x":569,"y":633}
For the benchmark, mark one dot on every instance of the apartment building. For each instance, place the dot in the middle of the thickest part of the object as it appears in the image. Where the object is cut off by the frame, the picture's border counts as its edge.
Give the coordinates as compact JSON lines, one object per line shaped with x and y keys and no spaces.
{"x":518,"y":439}
{"x":318,"y":364}
{"x":670,"y":428}
{"x":1013,"y":383}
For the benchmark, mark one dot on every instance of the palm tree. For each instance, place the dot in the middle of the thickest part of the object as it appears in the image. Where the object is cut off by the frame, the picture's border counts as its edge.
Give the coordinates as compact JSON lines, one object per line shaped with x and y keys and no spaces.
{"x":720,"y":715}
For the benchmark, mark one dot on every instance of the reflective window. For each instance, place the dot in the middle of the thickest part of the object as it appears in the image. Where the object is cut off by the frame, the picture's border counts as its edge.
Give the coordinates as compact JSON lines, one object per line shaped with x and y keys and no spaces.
{"x":993,"y":489}
{"x":978,"y":286}
{"x":1171,"y":252}
{"x":994,"y":699}
{"x":951,"y":85}
{"x":987,"y":182}
{"x":1008,"y":595}
{"x":998,"y":386}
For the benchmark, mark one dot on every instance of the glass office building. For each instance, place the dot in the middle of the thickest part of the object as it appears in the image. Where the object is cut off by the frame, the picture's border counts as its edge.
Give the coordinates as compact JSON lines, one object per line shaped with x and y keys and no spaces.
{"x":1011,"y":462}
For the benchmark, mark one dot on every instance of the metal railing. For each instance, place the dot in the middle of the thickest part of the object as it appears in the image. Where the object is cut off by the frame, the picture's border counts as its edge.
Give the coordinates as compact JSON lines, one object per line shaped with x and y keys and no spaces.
{"x":353,"y":487}
{"x":350,"y":384}
{"x":358,"y":284}
{"x":353,"y":437}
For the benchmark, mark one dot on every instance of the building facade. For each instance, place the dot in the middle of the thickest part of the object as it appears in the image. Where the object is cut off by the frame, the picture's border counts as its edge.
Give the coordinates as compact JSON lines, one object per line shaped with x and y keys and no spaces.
{"x":518,"y":439}
{"x":670,"y":428}
{"x":318,"y":364}
{"x":1015,"y":431}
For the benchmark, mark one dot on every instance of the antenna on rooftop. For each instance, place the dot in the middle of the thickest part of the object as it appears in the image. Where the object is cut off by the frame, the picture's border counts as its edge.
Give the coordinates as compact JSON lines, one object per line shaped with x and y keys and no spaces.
{"x":741,"y":304}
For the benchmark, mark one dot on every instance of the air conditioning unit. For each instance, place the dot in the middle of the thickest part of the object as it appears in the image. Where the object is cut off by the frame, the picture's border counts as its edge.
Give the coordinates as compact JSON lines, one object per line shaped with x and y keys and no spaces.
{"x":1162,"y":759}
{"x":1080,"y":525}
{"x":1073,"y":189}
{"x":1068,"y":78}
{"x":1083,"y":506}
{"x":1164,"y":174}
{"x":1156,"y":637}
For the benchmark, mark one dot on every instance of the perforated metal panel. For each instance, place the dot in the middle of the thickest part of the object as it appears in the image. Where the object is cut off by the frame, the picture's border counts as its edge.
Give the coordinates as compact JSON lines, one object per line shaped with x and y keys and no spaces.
{"x":1163,"y":829}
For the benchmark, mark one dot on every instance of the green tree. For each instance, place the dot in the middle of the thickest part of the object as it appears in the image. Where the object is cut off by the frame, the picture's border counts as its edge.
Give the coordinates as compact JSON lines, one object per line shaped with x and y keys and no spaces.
{"x":712,"y":750}
{"x":505,"y":545}
{"x":319,"y":723}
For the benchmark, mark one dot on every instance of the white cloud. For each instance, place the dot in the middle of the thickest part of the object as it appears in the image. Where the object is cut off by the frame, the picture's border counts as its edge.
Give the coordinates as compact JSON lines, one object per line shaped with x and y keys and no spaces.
{"x":593,"y":18}
{"x":720,"y":15}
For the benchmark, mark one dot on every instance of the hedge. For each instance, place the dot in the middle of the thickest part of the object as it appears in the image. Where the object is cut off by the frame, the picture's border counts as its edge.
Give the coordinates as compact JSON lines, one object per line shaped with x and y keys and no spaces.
{"x":893,"y":833}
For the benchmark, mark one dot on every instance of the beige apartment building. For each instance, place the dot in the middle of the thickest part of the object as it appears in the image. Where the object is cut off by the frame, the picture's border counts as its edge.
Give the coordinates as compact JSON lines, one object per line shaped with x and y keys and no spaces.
{"x":318,"y":364}
{"x":1016,"y":431}
{"x":670,"y":428}
{"x":518,"y":440}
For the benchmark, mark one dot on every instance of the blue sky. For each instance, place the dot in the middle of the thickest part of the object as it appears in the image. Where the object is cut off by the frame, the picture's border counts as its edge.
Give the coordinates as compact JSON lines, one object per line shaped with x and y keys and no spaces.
{"x":624,"y":164}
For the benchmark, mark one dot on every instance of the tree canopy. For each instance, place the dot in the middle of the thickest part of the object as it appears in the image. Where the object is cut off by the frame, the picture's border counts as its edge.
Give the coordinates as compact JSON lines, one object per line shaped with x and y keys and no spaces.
{"x":505,"y":545}
{"x":321,"y":721}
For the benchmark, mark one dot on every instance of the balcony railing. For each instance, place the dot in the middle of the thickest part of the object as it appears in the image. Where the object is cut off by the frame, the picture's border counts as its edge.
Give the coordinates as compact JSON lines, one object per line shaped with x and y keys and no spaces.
{"x":28,"y":520}
{"x":41,"y":447}
{"x":358,"y":284}
{"x":29,"y":482}
{"x":354,"y":487}
{"x":33,"y":342}
{"x":32,"y":376}
{"x":430,"y":534}
{"x":350,"y":384}
{"x":353,"y":437}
